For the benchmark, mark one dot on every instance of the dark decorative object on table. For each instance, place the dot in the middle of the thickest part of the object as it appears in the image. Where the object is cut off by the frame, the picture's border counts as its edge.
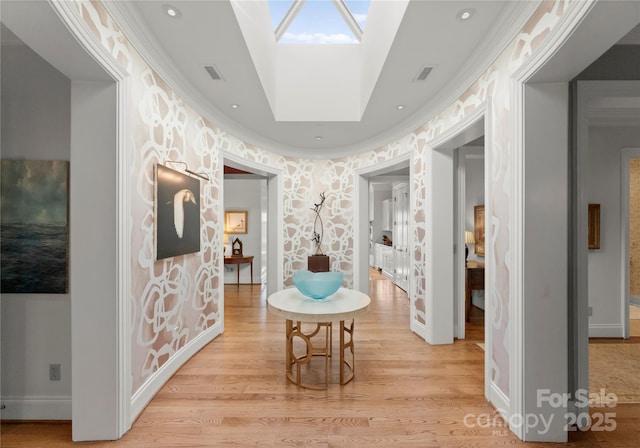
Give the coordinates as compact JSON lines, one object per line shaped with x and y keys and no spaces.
{"x":317,"y":236}
{"x":236,"y":247}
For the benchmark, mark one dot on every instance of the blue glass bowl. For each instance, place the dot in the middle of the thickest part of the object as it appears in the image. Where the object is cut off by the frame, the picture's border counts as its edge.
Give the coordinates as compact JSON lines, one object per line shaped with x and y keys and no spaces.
{"x":317,"y":285}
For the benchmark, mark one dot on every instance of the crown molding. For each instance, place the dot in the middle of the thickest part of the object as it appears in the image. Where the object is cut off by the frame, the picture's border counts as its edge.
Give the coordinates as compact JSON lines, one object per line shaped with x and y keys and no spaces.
{"x":508,"y":25}
{"x":135,"y":29}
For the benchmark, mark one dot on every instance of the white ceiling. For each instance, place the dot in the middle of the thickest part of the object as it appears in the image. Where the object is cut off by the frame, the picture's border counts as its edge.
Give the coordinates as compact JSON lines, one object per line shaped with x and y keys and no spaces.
{"x":207,"y":33}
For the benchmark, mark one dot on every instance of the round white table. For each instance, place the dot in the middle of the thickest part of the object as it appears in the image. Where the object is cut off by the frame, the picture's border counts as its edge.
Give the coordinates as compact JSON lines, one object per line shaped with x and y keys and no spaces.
{"x":344,"y":305}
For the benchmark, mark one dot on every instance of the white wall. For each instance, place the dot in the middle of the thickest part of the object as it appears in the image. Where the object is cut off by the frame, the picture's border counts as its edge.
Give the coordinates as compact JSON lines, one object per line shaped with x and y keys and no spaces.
{"x":605,"y":275}
{"x":380,"y":192}
{"x":93,"y":261}
{"x":249,"y":195}
{"x":545,"y":257}
{"x":36,"y":328}
{"x":474,"y":194}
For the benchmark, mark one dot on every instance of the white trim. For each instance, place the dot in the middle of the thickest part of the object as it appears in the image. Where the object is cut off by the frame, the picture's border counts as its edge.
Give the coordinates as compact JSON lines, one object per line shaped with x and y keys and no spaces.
{"x":348,"y":18}
{"x":148,"y":390}
{"x":288,"y":18}
{"x":416,"y":326}
{"x":460,"y":269}
{"x":606,"y":331}
{"x":275,"y":212}
{"x":381,"y":167}
{"x":456,"y":135}
{"x":516,"y":260}
{"x":360,"y":235}
{"x":559,"y":35}
{"x":627,"y":299}
{"x":36,"y":408}
{"x":489,"y":265}
{"x":78,"y":28}
{"x":453,"y":138}
{"x":500,"y":401}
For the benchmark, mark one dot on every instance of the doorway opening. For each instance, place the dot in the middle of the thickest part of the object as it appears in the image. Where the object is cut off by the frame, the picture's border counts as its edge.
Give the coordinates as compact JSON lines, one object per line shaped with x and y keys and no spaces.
{"x":384,"y":228}
{"x":631,"y":239}
{"x":471,"y":223}
{"x":255,"y":191}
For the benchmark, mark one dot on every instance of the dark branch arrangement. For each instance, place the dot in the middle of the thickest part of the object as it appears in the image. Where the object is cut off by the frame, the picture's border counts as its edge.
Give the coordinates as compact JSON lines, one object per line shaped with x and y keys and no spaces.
{"x":317,"y":236}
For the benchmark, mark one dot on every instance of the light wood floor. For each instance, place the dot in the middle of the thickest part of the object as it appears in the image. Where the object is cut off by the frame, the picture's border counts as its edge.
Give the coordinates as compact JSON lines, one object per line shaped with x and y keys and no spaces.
{"x":634,"y":321}
{"x":406,"y":393}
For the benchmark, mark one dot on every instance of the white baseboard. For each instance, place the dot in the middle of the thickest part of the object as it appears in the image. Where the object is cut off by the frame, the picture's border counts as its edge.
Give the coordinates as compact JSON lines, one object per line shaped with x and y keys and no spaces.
{"x":606,"y":331}
{"x":418,"y":328}
{"x":36,"y":408}
{"x":501,"y":402}
{"x":148,"y":390}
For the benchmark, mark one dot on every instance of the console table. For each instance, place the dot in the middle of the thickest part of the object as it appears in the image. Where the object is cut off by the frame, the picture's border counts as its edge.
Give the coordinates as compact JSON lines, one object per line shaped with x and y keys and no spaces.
{"x":474,"y":281}
{"x":238,"y":260}
{"x":292,"y":305}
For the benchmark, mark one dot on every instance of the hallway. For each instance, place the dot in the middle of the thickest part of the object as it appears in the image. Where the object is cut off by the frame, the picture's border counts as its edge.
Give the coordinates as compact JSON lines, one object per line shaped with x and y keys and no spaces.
{"x":406,"y":393}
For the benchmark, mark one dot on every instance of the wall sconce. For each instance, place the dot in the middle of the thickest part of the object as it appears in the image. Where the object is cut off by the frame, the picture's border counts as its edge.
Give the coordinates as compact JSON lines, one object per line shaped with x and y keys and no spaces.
{"x":468,"y":239}
{"x":187,"y":170}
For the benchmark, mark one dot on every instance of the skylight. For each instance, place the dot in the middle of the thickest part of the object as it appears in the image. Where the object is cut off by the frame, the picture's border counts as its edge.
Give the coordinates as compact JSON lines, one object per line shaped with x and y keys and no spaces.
{"x":318,"y":21}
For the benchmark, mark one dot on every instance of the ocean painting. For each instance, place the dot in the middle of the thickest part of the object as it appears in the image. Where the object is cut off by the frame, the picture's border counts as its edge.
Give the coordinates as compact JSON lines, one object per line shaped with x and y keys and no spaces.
{"x":34,"y":244}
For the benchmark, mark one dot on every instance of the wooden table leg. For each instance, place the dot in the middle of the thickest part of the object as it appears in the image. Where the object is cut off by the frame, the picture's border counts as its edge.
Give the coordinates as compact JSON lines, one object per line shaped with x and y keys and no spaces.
{"x":348,"y":376}
{"x":294,"y":362}
{"x":288,"y":348}
{"x":251,"y":272}
{"x":238,"y":267}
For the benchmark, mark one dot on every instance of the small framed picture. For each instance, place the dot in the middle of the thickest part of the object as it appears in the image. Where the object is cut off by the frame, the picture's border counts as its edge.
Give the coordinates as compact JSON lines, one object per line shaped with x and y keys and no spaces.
{"x":235,"y":221}
{"x":478,"y":229}
{"x":594,"y":226}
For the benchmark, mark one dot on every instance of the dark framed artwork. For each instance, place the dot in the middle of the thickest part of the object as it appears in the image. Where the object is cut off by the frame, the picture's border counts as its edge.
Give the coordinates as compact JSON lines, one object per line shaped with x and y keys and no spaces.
{"x":177,"y":213}
{"x":479,"y":229}
{"x":594,"y":226}
{"x":235,"y":221}
{"x":34,"y":210}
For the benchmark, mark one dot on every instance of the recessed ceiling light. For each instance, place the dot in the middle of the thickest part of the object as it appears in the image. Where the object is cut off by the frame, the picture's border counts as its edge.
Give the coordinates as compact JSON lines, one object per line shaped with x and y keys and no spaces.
{"x":171,"y":10}
{"x":400,"y":106}
{"x":318,"y":137}
{"x":234,"y":106}
{"x":465,"y":14}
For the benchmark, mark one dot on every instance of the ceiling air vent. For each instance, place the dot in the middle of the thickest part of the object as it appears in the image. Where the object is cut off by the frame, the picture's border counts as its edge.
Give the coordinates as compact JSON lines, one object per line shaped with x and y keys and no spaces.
{"x":213,"y":72}
{"x":423,"y":73}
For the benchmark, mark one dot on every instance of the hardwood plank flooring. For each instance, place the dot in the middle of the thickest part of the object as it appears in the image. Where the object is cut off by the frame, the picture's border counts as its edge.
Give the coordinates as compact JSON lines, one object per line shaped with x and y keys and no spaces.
{"x":406,"y":393}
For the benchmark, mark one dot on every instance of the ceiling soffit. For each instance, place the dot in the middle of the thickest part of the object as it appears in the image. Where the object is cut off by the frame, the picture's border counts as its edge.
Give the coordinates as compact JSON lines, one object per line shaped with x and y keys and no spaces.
{"x":292,"y":138}
{"x":306,"y":82}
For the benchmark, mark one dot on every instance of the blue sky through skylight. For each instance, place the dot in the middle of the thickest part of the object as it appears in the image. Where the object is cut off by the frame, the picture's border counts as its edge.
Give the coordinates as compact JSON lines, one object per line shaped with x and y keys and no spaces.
{"x":359,"y":10}
{"x":318,"y":21}
{"x":278,"y":8}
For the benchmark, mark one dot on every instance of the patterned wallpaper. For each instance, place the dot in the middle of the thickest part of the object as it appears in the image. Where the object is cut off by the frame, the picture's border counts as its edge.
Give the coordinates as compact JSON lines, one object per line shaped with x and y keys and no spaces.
{"x":634,"y":225}
{"x":174,"y":300}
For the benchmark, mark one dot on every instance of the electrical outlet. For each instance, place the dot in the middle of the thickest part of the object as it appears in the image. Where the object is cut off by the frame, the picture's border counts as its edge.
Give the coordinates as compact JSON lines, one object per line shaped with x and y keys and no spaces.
{"x":54,"y":372}
{"x":590,"y":311}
